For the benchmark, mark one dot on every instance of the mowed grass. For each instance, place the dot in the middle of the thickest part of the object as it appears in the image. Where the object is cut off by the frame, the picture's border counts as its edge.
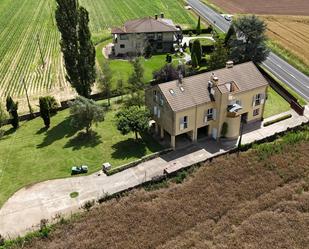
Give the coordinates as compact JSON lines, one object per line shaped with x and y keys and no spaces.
{"x":22,"y":20}
{"x":122,"y":69}
{"x":275,"y":104}
{"x":32,"y":154}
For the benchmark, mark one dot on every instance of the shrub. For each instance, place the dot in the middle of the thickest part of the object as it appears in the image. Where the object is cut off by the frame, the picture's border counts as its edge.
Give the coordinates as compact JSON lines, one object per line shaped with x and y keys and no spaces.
{"x":224,"y":129}
{"x":1,"y":240}
{"x":74,"y":194}
{"x":88,"y":205}
{"x":277,"y":120}
{"x":12,"y":108}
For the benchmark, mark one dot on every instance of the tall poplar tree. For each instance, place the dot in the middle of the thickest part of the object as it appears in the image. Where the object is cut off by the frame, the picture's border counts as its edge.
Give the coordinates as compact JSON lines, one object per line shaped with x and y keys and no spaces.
{"x":76,"y":45}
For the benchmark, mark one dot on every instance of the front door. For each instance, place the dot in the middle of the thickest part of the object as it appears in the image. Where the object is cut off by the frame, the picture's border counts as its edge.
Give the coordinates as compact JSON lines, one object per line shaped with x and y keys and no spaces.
{"x":214,"y":133}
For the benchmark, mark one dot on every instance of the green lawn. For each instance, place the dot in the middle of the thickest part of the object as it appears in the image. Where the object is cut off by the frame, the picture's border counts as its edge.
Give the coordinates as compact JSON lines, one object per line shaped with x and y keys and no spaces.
{"x":122,"y":69}
{"x":275,"y":104}
{"x":32,"y":154}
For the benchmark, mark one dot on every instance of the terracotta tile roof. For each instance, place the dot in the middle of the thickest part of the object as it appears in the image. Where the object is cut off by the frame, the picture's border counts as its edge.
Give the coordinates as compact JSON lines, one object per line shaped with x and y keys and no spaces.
{"x":146,"y":25}
{"x":195,"y":88}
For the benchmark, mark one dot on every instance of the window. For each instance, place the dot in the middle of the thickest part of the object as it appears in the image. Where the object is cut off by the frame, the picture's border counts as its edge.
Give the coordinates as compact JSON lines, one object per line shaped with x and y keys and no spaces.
{"x":159,"y":45}
{"x":161,"y":100}
{"x":122,"y":46}
{"x":159,"y":113}
{"x":155,"y":96}
{"x":238,"y":102}
{"x":159,"y":36}
{"x":256,"y":112}
{"x":183,"y":123}
{"x":210,"y":114}
{"x":151,"y":36}
{"x":172,"y":92}
{"x":155,"y":110}
{"x":124,"y":37}
{"x":257,"y":100}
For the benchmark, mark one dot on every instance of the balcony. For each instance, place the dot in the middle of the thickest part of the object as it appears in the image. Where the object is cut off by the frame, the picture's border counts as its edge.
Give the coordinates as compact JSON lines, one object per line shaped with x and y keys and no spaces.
{"x":232,"y":110}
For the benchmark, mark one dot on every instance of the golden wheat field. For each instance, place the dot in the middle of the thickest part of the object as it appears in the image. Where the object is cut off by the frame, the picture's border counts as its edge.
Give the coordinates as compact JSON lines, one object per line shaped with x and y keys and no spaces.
{"x":291,"y":32}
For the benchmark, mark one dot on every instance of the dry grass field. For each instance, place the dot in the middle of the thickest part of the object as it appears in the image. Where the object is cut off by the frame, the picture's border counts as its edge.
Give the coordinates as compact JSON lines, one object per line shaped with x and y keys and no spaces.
{"x":271,"y":7}
{"x":290,"y":32}
{"x":256,"y":201}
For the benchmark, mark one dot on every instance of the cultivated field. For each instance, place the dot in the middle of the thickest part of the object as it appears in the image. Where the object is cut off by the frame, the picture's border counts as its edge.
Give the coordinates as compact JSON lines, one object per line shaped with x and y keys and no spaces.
{"x":291,"y":32}
{"x":272,"y":7}
{"x":21,"y":21}
{"x":259,"y":200}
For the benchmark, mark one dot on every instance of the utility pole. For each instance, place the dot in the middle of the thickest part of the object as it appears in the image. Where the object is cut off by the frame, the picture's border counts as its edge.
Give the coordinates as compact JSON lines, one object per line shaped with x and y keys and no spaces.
{"x":38,"y":40}
{"x":26,"y":91}
{"x":242,"y":121}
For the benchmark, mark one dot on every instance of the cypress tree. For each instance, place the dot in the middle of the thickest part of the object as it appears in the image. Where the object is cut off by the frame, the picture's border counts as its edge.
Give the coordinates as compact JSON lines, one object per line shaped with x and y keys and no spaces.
{"x":198,"y":27}
{"x":86,"y":57}
{"x":45,"y":110}
{"x":12,"y":108}
{"x":197,"y":50}
{"x":76,"y":45}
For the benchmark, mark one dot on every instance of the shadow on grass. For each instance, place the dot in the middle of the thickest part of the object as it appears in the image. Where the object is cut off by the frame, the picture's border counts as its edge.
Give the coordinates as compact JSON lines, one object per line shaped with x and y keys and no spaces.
{"x":61,"y":130}
{"x":83,"y":139}
{"x":9,"y":131}
{"x":129,"y":148}
{"x":42,"y":130}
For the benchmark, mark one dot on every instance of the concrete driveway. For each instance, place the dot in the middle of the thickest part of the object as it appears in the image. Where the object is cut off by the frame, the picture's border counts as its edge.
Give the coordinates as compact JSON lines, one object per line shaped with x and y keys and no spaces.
{"x":46,"y":200}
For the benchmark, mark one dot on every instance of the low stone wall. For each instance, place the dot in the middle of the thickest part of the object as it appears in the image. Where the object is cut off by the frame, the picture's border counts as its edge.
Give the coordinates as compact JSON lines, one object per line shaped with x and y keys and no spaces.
{"x":133,"y":164}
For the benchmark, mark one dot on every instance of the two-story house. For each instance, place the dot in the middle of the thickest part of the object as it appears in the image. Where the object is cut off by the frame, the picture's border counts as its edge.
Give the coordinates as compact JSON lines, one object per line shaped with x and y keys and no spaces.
{"x":201,"y":104}
{"x":159,"y":33}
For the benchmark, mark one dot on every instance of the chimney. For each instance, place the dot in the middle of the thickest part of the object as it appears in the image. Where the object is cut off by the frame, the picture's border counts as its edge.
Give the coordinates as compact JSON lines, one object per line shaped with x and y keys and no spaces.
{"x":214,"y":79}
{"x":162,"y":15}
{"x":229,"y":64}
{"x":156,"y":16}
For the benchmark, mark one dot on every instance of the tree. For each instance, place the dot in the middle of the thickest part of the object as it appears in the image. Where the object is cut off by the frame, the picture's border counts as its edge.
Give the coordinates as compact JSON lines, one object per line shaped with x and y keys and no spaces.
{"x":167,"y":73}
{"x":85,"y":112}
{"x":133,"y":119}
{"x":194,"y":60}
{"x":230,"y":33}
{"x":198,"y":27}
{"x":12,"y":108}
{"x":249,"y":43}
{"x":136,"y":79}
{"x":219,"y":56}
{"x":76,"y":45}
{"x":3,"y":117}
{"x":105,"y":81}
{"x":53,"y":104}
{"x":45,"y":110}
{"x":86,"y":58}
{"x":121,"y":88}
{"x":197,"y":50}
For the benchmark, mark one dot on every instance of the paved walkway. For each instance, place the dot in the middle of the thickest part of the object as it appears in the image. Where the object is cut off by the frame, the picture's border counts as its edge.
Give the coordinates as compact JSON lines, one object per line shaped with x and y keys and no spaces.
{"x":50,"y":198}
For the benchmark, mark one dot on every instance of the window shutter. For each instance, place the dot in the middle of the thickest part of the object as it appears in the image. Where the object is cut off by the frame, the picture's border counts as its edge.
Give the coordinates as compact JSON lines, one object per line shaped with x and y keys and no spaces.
{"x":262,"y":98}
{"x":253,"y":101}
{"x":205,"y":118}
{"x":155,"y":110}
{"x":214,"y":115}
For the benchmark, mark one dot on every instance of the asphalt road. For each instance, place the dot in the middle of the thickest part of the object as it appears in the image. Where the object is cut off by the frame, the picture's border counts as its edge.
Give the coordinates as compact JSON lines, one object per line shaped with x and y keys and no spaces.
{"x":288,"y":74}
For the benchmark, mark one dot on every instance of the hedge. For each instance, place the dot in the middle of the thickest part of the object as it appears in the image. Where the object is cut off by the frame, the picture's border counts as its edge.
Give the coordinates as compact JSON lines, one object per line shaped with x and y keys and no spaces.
{"x":277,"y":120}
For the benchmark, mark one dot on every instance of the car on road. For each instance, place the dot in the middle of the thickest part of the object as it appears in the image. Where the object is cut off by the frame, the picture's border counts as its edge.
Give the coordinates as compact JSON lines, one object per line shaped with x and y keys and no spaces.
{"x":79,"y":169}
{"x":228,"y":18}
